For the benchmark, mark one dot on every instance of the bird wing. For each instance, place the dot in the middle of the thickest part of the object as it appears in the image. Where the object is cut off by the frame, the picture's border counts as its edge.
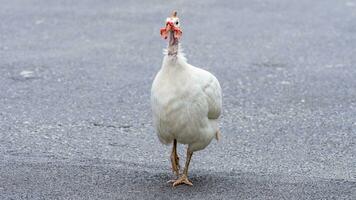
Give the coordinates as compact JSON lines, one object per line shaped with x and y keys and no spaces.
{"x":212,"y":90}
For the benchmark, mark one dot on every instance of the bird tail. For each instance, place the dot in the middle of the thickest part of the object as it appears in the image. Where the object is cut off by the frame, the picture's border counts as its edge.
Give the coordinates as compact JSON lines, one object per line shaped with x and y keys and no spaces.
{"x":218,"y":135}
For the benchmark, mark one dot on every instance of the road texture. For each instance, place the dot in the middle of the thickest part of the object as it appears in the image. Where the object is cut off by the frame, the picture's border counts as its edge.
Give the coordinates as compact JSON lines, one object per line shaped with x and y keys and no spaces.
{"x":75,"y":80}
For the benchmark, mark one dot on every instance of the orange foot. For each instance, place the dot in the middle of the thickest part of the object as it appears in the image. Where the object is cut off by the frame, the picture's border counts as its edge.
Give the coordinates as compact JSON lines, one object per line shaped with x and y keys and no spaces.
{"x":182,"y":180}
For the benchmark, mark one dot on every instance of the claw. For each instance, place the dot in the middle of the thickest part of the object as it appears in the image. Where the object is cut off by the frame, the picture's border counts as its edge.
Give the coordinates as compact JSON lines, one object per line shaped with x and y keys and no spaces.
{"x":171,"y":181}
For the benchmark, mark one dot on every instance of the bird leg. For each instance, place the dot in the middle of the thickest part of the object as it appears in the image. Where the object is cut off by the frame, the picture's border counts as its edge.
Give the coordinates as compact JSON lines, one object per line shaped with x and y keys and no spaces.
{"x":175,"y":158}
{"x":184,"y":178}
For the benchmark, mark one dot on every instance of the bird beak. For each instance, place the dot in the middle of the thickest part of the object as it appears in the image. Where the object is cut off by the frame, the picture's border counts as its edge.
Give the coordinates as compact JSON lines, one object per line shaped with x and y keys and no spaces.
{"x":177,"y":33}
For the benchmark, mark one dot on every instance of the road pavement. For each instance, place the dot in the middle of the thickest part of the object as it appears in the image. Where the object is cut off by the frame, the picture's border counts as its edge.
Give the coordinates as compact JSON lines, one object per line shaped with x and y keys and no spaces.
{"x":75,"y":119}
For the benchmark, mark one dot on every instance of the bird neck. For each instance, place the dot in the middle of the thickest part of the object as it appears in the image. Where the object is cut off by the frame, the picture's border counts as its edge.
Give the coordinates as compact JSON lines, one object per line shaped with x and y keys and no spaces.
{"x":173,"y":45}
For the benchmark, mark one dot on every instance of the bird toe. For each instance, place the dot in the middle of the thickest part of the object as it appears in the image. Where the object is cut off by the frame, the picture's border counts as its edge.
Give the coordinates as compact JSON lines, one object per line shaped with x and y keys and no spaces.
{"x":182,"y":180}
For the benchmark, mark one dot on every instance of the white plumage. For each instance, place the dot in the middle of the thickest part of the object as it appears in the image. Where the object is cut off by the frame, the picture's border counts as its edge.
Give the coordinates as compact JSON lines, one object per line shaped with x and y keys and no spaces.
{"x":186,"y":100}
{"x":186,"y":104}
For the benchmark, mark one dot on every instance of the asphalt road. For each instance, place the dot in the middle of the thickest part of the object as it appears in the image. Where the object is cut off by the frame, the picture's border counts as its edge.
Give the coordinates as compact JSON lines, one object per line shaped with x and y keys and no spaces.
{"x":75,"y":80}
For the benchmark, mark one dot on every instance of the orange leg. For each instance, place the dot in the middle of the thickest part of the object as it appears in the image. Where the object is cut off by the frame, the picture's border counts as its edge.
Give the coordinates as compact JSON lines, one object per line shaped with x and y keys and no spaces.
{"x":184,"y":178}
{"x":175,"y":158}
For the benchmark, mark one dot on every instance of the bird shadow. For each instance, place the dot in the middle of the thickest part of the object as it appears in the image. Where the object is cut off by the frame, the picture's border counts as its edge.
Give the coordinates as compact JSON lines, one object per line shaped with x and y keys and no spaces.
{"x":90,"y":180}
{"x":247,"y":185}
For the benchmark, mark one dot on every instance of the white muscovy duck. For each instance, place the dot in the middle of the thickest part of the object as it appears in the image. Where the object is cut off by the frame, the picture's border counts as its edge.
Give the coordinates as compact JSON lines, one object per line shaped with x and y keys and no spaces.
{"x":186,"y":102}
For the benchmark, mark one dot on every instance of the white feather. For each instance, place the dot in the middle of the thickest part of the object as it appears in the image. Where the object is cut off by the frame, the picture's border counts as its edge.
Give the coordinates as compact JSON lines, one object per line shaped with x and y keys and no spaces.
{"x":186,"y":103}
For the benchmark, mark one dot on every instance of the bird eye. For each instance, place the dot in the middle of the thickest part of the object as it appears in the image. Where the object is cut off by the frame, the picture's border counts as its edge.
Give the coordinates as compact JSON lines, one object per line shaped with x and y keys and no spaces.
{"x":177,"y":22}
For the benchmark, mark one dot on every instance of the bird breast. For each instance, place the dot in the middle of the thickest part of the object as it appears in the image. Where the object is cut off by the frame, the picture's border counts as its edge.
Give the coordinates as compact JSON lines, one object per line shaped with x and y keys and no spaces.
{"x":181,"y":105}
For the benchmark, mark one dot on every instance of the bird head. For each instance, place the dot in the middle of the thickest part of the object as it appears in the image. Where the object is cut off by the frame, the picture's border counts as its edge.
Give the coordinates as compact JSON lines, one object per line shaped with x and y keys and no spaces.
{"x":172,"y":27}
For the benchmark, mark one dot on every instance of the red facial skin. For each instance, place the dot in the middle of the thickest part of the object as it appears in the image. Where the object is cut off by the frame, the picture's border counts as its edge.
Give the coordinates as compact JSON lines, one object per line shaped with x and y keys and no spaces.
{"x":177,"y":33}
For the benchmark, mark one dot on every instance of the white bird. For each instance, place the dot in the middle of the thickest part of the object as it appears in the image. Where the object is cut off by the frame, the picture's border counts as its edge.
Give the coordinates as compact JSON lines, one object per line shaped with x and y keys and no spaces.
{"x":186,"y":102}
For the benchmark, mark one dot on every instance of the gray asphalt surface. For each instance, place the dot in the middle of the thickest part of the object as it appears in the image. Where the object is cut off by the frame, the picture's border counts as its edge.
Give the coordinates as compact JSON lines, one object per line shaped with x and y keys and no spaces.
{"x":75,"y":82}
